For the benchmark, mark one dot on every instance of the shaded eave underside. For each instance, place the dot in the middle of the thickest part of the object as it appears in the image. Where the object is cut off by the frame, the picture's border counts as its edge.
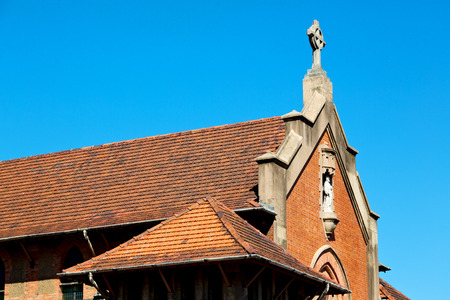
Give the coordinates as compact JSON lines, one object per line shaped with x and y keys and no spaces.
{"x":251,"y":257}
{"x":115,"y":226}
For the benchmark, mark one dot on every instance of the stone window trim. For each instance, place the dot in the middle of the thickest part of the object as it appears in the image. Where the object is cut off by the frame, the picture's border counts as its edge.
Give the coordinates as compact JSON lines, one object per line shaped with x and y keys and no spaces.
{"x":327,"y":262}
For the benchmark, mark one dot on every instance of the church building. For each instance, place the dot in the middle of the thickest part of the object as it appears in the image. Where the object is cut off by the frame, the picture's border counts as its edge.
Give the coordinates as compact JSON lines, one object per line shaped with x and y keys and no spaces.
{"x":265,"y":209}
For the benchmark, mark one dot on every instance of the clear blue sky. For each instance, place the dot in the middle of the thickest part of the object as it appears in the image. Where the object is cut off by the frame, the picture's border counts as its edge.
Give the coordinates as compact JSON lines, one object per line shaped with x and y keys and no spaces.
{"x":81,"y":73}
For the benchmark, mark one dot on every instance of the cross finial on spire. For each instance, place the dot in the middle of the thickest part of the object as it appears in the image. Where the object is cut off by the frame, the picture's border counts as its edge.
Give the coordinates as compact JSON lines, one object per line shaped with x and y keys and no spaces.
{"x":317,"y":43}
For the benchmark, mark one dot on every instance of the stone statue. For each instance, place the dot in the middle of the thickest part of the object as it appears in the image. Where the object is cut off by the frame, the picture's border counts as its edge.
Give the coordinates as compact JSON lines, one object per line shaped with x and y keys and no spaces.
{"x":328,"y":195}
{"x":317,"y":43}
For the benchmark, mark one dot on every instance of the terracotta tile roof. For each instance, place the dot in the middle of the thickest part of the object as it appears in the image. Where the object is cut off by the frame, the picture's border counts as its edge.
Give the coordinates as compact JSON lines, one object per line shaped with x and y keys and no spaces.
{"x":390,"y":292}
{"x":133,"y":181}
{"x":206,"y":231}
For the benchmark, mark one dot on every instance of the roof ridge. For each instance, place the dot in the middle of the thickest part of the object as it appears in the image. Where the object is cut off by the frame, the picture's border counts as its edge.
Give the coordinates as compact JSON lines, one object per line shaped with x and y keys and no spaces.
{"x":230,"y":228}
{"x":139,"y":236}
{"x":247,"y":247}
{"x":134,"y":140}
{"x":265,"y":237}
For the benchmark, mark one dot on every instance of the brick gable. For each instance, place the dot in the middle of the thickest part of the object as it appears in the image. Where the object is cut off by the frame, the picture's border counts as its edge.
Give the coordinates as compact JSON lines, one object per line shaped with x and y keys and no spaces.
{"x":305,"y":233}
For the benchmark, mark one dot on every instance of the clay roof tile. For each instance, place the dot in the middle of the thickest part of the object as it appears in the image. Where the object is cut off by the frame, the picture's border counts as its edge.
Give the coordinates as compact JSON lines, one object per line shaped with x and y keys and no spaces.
{"x":389,"y":291}
{"x":206,"y":231}
{"x":133,"y":181}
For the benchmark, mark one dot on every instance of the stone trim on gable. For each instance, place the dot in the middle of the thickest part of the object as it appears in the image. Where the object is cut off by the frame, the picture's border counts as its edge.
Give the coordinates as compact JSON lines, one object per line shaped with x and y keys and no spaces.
{"x":278,"y":177}
{"x":327,"y":251}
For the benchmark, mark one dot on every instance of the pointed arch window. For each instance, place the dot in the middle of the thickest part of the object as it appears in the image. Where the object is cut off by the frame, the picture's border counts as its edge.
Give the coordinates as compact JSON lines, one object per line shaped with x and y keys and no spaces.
{"x":72,"y":290}
{"x":327,"y":262}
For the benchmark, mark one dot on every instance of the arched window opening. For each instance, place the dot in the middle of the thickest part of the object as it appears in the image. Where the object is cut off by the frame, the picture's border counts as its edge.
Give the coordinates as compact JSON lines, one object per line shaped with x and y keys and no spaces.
{"x":2,"y":280}
{"x":72,"y":290}
{"x":327,"y":262}
{"x":328,"y":271}
{"x":73,"y":257}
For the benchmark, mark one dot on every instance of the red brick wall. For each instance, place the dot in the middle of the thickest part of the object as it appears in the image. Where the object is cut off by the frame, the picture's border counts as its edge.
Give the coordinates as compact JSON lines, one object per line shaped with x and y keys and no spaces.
{"x":40,"y":282}
{"x":305,"y":233}
{"x":29,"y":286}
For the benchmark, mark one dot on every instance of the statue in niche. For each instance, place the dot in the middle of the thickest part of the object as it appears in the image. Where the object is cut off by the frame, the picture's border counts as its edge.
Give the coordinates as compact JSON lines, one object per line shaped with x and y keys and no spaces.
{"x":328,"y":194}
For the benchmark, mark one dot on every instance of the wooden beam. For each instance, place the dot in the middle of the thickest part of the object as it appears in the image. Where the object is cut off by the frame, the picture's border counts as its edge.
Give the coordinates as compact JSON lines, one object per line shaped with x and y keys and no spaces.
{"x":169,"y":289}
{"x":108,"y":245}
{"x":285,"y":288}
{"x":109,"y":286}
{"x":273,"y":283}
{"x":225,"y":278}
{"x":27,"y":254}
{"x":254,"y":277}
{"x":312,"y":295}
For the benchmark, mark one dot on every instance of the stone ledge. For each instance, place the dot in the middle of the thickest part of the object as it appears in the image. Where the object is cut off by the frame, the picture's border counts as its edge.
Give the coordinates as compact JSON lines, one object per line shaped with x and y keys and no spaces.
{"x":285,"y":153}
{"x":313,"y":108}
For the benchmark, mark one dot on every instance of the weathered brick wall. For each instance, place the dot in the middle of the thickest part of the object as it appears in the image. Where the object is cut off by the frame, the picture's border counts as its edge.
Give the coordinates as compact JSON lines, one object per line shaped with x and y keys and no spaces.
{"x":305,"y":233}
{"x":38,"y":282}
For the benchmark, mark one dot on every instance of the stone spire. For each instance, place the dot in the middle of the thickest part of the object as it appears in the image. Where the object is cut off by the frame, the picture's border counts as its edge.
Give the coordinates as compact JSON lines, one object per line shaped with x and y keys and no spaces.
{"x":316,"y":79}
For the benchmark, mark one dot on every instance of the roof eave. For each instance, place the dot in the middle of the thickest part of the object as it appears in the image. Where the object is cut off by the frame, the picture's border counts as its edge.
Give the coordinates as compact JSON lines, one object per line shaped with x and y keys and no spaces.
{"x":71,"y":231}
{"x":337,"y":287}
{"x":118,"y":225}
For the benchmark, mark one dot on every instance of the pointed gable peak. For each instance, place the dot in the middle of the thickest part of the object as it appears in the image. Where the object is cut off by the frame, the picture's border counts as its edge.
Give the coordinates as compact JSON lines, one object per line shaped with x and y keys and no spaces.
{"x":200,"y":232}
{"x":207,"y":231}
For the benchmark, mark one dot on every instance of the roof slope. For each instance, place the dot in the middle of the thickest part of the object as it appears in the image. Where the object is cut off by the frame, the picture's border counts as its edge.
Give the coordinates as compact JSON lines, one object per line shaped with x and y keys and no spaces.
{"x":391,"y":292}
{"x":206,"y":231}
{"x":133,"y":181}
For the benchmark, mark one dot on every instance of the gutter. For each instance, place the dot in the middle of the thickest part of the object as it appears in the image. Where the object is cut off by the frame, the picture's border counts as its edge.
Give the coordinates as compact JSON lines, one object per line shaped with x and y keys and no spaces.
{"x":262,"y":208}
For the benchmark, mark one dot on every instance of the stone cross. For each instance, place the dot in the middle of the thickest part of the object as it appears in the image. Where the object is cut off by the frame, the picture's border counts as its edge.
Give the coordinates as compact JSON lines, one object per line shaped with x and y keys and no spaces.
{"x":317,"y":43}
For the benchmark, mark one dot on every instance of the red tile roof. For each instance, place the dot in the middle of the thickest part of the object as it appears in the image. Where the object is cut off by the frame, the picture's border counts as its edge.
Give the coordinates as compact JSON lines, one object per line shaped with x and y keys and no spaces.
{"x":133,"y":181}
{"x":389,"y":291}
{"x":206,"y":231}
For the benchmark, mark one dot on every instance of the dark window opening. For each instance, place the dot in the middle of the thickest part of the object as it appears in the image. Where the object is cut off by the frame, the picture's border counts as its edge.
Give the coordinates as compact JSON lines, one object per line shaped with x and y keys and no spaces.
{"x":73,"y":258}
{"x":72,"y":290}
